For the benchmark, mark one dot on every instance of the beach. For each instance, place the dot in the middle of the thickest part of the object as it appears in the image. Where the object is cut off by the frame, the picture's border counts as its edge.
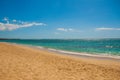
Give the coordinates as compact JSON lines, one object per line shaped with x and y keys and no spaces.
{"x":19,"y":62}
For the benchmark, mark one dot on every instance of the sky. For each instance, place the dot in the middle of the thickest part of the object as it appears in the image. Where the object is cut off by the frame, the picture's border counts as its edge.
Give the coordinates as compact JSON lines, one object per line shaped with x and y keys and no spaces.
{"x":59,"y":19}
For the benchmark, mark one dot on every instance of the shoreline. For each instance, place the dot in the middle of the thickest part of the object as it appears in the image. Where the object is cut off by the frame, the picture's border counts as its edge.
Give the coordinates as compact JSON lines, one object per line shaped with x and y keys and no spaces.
{"x":31,"y":63}
{"x":74,"y":54}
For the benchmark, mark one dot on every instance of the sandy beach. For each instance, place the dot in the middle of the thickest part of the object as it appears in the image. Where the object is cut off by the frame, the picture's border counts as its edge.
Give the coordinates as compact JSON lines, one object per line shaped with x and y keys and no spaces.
{"x":19,"y":62}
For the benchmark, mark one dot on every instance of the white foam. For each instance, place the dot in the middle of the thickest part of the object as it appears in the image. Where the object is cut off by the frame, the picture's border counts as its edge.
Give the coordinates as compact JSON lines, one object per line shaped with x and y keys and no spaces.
{"x":108,"y":46}
{"x":73,"y":53}
{"x":86,"y":54}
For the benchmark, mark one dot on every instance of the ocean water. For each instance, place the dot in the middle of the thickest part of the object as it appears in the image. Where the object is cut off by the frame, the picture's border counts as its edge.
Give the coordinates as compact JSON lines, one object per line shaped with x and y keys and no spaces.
{"x":90,"y":46}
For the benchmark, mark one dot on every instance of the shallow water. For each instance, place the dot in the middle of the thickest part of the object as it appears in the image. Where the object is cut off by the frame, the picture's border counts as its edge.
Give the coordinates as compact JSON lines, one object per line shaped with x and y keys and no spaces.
{"x":91,"y":46}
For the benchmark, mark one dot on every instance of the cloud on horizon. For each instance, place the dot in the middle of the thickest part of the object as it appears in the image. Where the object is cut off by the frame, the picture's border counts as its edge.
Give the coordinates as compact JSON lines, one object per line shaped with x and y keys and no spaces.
{"x":14,"y":24}
{"x":106,"y":29}
{"x":65,"y":29}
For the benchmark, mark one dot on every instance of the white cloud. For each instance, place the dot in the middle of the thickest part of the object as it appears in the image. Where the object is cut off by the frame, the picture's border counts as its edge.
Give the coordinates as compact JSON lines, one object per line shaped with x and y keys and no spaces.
{"x":29,"y":24}
{"x":17,"y":24}
{"x":6,"y":19}
{"x":65,"y":29}
{"x":14,"y":20}
{"x":62,"y":29}
{"x":106,"y":29}
{"x":68,"y":30}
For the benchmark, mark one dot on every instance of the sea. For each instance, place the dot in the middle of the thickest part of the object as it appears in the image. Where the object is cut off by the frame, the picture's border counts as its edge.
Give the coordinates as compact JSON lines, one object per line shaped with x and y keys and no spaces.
{"x":89,"y":46}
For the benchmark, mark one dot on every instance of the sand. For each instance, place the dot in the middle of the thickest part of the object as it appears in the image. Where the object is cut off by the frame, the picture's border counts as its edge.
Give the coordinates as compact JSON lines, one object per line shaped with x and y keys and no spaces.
{"x":19,"y":62}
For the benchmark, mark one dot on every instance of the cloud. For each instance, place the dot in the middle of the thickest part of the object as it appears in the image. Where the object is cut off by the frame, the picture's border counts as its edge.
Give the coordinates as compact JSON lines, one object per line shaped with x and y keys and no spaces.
{"x":66,"y":29}
{"x":106,"y":29}
{"x":14,"y":20}
{"x":17,"y":24}
{"x":6,"y":19}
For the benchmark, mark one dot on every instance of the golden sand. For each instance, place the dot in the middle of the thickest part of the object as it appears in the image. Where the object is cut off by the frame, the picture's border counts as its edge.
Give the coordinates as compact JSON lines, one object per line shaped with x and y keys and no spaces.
{"x":19,"y":62}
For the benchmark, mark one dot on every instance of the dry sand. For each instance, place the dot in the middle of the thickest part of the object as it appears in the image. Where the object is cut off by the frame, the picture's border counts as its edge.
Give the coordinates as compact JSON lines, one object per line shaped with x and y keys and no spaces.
{"x":19,"y":62}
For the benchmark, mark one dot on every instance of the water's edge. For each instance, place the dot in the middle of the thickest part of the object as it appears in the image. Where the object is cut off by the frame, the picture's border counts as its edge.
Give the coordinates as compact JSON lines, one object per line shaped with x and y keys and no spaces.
{"x":76,"y":54}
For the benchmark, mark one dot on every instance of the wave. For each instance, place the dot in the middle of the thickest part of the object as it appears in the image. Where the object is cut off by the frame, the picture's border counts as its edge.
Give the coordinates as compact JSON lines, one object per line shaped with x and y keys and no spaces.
{"x":78,"y":54}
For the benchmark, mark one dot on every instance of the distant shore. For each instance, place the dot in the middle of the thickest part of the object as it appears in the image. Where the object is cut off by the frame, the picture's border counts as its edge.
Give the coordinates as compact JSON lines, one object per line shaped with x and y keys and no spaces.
{"x":23,"y":62}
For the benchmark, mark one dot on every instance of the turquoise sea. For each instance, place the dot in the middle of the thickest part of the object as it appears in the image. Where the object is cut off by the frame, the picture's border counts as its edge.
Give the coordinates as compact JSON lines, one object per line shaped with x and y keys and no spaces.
{"x":90,"y":46}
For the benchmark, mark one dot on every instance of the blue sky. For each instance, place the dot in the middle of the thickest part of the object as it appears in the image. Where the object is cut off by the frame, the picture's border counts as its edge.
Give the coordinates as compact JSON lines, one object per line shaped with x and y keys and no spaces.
{"x":52,"y":19}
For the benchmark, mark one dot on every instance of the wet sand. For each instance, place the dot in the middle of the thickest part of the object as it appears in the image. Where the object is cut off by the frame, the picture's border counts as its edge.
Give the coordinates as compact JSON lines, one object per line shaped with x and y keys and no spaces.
{"x":18,"y":62}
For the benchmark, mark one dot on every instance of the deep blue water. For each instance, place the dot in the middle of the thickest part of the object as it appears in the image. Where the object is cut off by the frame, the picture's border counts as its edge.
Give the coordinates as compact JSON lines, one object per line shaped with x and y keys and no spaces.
{"x":92,"y":46}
